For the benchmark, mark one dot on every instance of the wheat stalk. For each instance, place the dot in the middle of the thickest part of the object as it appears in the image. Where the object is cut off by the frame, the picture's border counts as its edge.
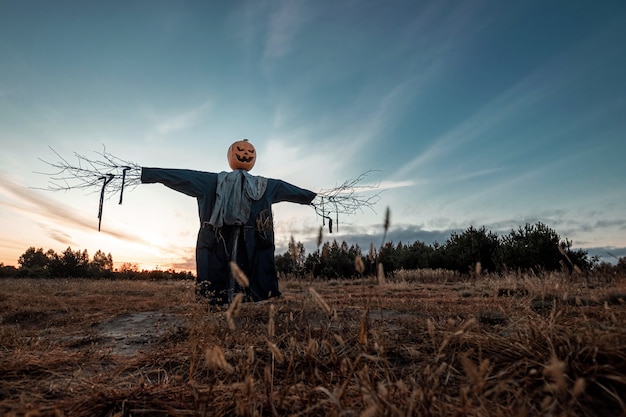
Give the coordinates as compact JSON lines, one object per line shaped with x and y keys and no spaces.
{"x":271,"y":332}
{"x":215,"y":359}
{"x":320,"y":301}
{"x":363,"y":329}
{"x":239,"y":275}
{"x":275,"y":352}
{"x":359,"y":265}
{"x":320,"y":236}
{"x":232,"y":310}
{"x":380,"y":274}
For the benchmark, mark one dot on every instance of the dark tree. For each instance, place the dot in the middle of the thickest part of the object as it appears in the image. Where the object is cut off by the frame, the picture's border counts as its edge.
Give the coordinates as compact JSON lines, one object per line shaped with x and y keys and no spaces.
{"x":416,"y":256}
{"x":620,"y":268}
{"x":532,"y":247}
{"x":71,"y":264}
{"x":334,"y":261}
{"x":389,"y":256}
{"x":35,"y":263}
{"x":7,"y":271}
{"x":101,"y":265}
{"x":462,"y":251}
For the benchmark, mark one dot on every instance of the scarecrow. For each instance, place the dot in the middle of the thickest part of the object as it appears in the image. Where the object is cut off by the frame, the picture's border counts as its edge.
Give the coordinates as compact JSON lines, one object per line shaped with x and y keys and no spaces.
{"x":236,"y":223}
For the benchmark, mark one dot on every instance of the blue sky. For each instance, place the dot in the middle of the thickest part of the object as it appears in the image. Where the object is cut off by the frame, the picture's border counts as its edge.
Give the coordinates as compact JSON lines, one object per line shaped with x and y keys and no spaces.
{"x":478,"y":113}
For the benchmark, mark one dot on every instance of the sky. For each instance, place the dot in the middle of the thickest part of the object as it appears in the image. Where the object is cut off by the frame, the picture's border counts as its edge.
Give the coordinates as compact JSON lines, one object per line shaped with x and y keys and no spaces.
{"x":464,"y":113}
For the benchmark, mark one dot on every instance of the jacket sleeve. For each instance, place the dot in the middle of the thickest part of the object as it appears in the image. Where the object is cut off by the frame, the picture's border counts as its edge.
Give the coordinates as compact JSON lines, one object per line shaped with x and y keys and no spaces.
{"x":283,"y":191}
{"x":190,"y":182}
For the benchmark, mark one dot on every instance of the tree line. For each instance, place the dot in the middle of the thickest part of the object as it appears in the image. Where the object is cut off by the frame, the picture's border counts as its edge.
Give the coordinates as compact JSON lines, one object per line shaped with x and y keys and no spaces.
{"x":532,"y":247}
{"x":35,"y":263}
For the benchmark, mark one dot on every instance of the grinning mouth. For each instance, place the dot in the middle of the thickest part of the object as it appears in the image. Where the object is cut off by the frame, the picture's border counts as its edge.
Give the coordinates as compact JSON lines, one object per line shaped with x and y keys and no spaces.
{"x":244,"y":159}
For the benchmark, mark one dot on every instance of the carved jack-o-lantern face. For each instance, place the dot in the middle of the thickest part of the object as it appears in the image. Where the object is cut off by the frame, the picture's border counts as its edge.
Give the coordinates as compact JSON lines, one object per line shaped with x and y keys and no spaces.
{"x":241,"y":155}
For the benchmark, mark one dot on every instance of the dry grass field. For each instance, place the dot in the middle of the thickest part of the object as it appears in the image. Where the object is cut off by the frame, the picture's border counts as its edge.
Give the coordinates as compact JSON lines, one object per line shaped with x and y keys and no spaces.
{"x":422,"y":343}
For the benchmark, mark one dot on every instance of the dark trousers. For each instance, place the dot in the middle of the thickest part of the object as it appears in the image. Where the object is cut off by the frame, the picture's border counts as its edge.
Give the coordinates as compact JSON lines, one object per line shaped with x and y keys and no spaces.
{"x":214,"y":251}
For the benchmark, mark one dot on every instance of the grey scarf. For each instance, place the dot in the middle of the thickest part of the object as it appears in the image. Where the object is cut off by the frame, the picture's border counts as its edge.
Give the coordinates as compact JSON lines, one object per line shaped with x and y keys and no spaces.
{"x":235,"y":192}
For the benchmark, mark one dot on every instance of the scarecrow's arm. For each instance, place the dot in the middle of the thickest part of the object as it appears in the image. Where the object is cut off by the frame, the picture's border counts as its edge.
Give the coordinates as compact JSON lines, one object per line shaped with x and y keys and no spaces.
{"x":283,"y":191}
{"x":187,"y":181}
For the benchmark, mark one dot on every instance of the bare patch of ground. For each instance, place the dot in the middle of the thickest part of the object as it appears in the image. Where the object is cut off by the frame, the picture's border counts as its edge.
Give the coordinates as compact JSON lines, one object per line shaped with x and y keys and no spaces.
{"x":129,"y":333}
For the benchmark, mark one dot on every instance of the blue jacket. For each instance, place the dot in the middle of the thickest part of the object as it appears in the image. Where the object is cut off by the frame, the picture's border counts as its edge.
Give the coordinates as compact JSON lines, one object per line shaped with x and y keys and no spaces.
{"x":203,"y":186}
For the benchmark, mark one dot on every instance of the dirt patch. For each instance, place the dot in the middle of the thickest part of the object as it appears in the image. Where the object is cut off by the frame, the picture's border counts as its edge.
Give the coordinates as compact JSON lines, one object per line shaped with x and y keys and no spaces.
{"x":128,"y":333}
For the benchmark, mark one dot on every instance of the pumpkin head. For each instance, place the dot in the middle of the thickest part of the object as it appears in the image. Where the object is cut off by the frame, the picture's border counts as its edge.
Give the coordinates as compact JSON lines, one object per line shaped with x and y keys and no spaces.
{"x":241,"y":155}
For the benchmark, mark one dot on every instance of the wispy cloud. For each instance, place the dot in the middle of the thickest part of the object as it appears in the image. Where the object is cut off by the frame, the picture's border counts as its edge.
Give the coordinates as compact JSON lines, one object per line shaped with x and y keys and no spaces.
{"x":186,"y":262}
{"x":60,"y":222}
{"x":10,"y":244}
{"x":181,"y":120}
{"x":417,"y":56}
{"x":392,"y":105}
{"x":619,"y":223}
{"x":509,"y":104}
{"x":563,"y":72}
{"x":465,"y":176}
{"x":57,"y":234}
{"x":367,"y":119}
{"x":30,"y":203}
{"x":285,"y":21}
{"x":389,"y":185}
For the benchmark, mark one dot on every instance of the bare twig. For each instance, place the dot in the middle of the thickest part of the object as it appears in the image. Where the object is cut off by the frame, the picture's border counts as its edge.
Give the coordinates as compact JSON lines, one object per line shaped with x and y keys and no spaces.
{"x":87,"y":173}
{"x":108,"y":173}
{"x":347,"y":198}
